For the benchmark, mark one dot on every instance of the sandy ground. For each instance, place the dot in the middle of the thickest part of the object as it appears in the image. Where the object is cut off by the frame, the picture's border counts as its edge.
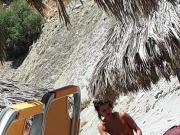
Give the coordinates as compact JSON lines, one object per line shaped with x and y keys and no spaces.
{"x":154,"y":111}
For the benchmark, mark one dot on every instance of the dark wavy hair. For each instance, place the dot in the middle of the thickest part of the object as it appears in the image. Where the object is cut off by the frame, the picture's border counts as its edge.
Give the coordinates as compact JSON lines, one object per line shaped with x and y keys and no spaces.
{"x":98,"y":103}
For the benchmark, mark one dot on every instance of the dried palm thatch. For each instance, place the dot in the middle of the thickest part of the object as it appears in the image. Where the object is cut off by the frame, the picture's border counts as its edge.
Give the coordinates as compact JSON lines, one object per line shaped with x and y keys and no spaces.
{"x":41,"y":7}
{"x":38,"y":5}
{"x":140,"y":50}
{"x":123,"y":9}
{"x":142,"y":47}
{"x":62,"y":12}
{"x":2,"y":52}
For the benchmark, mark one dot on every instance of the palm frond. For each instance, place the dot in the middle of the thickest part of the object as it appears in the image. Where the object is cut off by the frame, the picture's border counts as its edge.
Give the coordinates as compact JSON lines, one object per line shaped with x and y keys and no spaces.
{"x":2,"y":49}
{"x":38,"y":5}
{"x":41,"y":7}
{"x":139,"y":53}
{"x":174,"y":1}
{"x":122,"y":9}
{"x":62,"y":12}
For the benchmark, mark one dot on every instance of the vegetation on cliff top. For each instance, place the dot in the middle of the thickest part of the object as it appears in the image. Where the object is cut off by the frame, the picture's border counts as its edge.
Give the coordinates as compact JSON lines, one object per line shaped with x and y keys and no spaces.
{"x":21,"y":25}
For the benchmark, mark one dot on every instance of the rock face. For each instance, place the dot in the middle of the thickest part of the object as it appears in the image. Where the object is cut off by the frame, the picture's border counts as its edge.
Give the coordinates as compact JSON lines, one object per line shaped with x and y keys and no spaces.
{"x":60,"y":56}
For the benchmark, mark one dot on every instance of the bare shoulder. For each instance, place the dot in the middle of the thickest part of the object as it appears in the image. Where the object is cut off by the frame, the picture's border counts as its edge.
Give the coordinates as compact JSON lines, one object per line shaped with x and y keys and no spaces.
{"x":123,"y":114}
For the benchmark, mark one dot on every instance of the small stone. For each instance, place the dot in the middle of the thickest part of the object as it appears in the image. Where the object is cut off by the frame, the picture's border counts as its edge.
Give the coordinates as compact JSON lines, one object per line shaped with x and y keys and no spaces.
{"x":157,"y":94}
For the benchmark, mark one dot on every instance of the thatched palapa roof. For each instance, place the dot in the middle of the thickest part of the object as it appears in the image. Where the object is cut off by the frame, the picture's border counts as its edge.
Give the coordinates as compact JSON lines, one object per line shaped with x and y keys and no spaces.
{"x":142,"y":47}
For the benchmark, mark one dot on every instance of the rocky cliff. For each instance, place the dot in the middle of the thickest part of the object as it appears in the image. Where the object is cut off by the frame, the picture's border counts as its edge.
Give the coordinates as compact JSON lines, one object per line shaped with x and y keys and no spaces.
{"x":60,"y":56}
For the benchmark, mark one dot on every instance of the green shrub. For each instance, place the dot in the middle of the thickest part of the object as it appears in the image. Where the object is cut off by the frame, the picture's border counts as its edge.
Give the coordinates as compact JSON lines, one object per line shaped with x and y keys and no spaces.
{"x":21,"y":26}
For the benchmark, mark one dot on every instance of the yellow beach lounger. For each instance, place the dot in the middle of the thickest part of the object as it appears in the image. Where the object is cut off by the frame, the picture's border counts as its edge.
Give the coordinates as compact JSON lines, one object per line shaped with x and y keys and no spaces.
{"x":54,"y":120}
{"x":13,"y":118}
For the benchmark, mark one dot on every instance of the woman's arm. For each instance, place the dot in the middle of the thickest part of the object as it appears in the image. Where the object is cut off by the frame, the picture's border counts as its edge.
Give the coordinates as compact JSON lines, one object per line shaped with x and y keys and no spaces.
{"x":131,"y":123}
{"x":101,"y":129}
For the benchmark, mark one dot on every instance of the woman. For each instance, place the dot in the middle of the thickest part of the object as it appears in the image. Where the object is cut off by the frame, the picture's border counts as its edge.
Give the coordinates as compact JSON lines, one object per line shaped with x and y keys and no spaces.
{"x":175,"y":130}
{"x":114,"y":123}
